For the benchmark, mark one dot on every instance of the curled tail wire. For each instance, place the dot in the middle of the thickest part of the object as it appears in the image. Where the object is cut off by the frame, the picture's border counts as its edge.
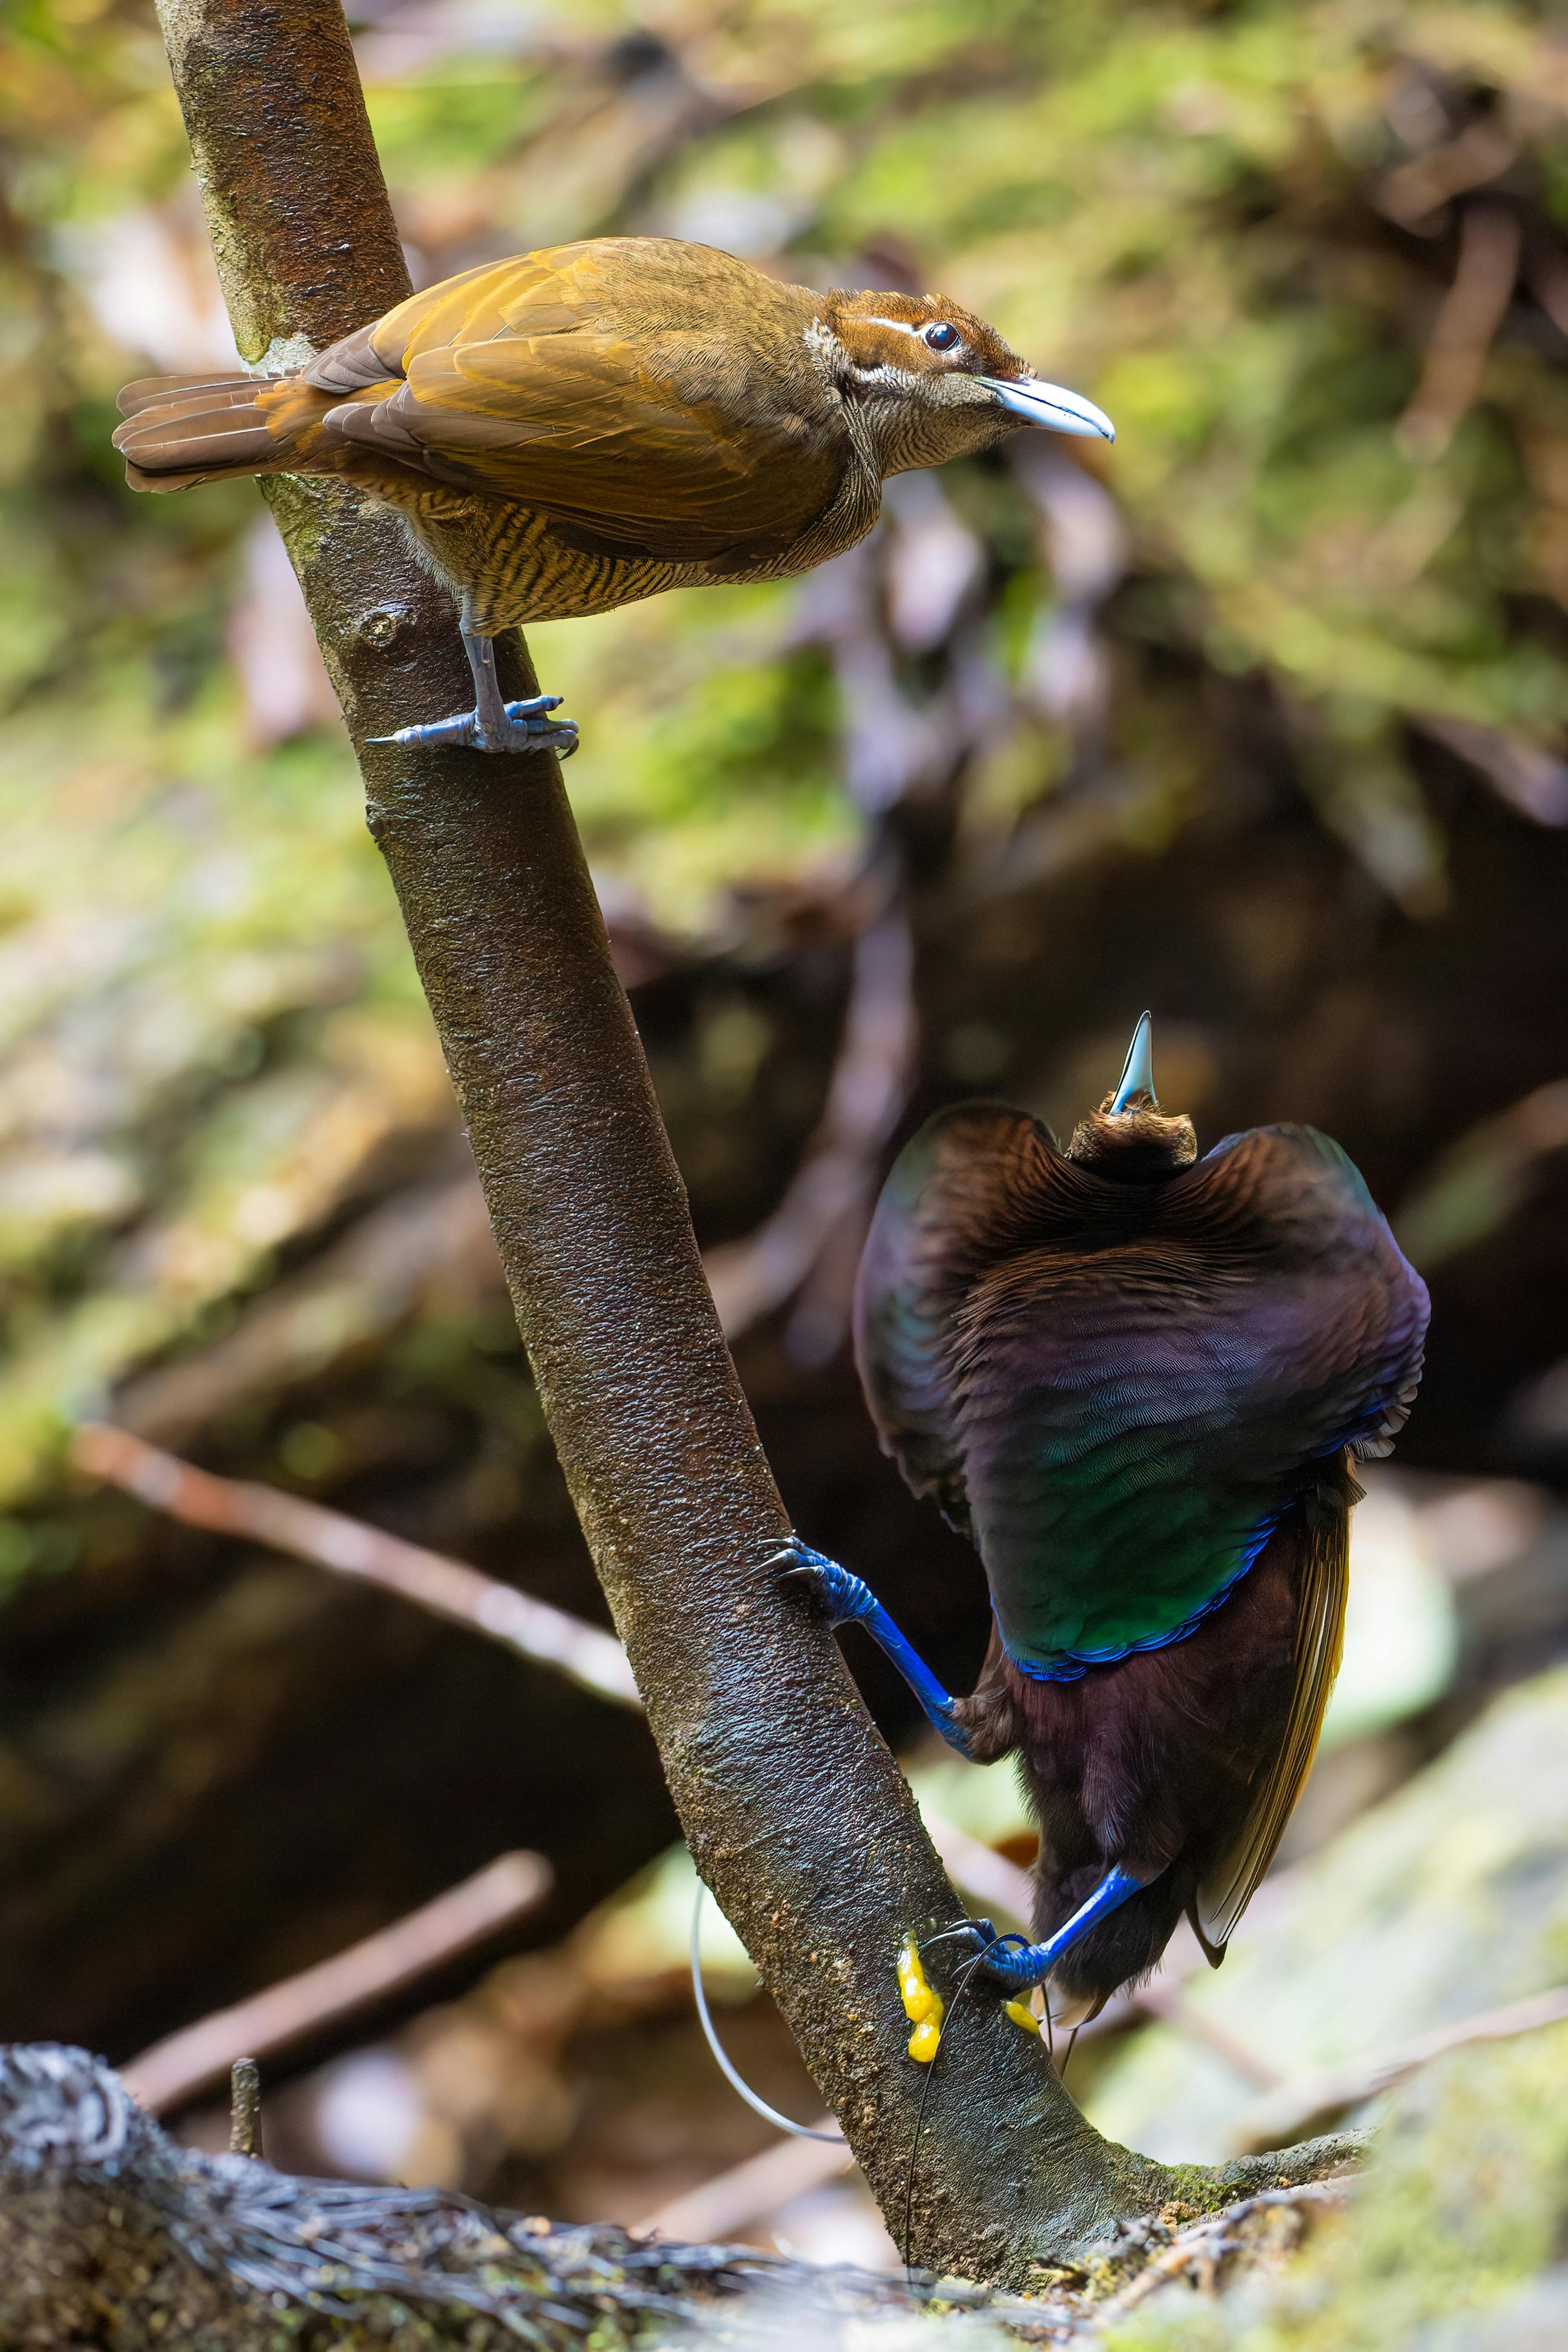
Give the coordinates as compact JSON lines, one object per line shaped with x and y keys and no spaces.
{"x":759,"y":2106}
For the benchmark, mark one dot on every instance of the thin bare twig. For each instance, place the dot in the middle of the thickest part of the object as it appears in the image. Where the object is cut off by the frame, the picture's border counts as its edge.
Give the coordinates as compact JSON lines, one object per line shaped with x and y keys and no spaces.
{"x":733,"y":2201}
{"x":1316,"y":2102}
{"x":174,"y":2072}
{"x":1472,"y":311}
{"x":869,"y":1087}
{"x":237,"y":1507}
{"x":245,"y":2109}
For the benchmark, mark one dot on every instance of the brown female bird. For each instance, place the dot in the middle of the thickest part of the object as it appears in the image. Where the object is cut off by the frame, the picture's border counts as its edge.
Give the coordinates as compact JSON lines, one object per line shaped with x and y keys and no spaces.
{"x":594,"y":423}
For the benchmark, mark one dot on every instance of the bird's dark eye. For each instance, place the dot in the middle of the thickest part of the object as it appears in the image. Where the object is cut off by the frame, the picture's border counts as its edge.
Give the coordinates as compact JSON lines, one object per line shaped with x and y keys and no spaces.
{"x":942,"y":337}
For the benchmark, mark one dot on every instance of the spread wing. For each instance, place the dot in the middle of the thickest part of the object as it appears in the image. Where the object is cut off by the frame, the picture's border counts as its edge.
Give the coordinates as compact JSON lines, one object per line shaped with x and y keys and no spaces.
{"x":646,"y":394}
{"x":1135,"y":1388}
{"x":1322,"y":1530}
{"x":958,"y":1196}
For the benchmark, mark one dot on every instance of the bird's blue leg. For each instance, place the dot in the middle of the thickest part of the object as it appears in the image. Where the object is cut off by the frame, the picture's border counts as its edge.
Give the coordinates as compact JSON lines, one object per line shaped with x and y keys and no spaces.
{"x":492,"y":725}
{"x":1018,"y":1965}
{"x":848,"y":1602}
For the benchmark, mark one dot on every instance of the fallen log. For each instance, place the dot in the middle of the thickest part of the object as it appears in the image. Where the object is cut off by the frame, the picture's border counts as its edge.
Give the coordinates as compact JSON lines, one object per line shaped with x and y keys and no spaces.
{"x":110,"y":2233}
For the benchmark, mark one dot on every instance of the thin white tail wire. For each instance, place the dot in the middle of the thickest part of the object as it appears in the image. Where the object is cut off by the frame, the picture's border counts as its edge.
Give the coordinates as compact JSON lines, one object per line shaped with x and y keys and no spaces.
{"x":759,"y":2106}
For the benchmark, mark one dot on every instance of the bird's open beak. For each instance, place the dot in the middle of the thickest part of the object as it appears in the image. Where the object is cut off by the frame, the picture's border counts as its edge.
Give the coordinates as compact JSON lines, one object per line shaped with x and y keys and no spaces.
{"x":1138,"y":1070}
{"x":1050,"y":406}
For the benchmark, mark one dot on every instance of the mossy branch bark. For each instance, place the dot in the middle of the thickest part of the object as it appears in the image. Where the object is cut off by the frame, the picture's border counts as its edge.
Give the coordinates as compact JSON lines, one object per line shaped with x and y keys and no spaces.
{"x":797,"y":1814}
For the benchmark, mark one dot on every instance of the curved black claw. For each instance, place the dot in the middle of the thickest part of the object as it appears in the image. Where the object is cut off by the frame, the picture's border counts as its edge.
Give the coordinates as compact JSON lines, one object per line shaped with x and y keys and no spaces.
{"x":978,"y":1933}
{"x":842,"y":1596}
{"x":1011,"y":1961}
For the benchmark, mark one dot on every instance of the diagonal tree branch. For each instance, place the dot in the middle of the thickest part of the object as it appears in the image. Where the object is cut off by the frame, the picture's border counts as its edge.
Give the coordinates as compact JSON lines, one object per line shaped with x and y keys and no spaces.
{"x":593,"y":1660}
{"x":185,"y":2064}
{"x":794,"y":1808}
{"x":1319,"y":2101}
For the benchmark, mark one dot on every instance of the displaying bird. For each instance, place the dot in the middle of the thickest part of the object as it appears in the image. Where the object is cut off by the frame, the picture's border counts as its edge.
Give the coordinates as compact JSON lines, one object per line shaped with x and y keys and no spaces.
{"x":594,"y":423}
{"x":1138,"y":1380}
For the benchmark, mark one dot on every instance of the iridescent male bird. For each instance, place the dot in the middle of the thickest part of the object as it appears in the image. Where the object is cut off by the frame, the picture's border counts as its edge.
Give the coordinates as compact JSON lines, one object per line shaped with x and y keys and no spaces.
{"x":585,"y":425}
{"x":1138,"y":1380}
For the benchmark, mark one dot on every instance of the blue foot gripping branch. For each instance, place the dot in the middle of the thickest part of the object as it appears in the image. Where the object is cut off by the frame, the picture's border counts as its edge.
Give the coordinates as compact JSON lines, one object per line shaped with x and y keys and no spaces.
{"x":1012,"y":1961}
{"x":847,"y":1600}
{"x":1019,"y":1965}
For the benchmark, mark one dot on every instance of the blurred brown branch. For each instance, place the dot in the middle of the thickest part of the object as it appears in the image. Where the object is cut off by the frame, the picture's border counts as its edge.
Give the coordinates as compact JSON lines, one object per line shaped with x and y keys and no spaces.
{"x":175,"y":2071}
{"x":1529,"y":779}
{"x":1471,"y":313}
{"x":870,"y":1085}
{"x":1317,"y":2102}
{"x":1414,"y":194}
{"x":235,"y":1507}
{"x":721,"y":2207}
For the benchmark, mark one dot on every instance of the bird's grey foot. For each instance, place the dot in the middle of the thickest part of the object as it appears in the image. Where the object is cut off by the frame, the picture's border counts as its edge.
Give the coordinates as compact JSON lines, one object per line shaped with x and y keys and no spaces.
{"x":492,"y":725}
{"x":507,"y":726}
{"x":846,"y":1599}
{"x":1017,"y":1964}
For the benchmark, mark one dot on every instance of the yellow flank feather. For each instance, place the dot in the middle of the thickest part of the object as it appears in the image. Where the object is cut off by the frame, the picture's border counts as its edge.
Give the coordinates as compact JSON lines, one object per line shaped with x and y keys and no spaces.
{"x":1022,"y":2015}
{"x":923,"y":2005}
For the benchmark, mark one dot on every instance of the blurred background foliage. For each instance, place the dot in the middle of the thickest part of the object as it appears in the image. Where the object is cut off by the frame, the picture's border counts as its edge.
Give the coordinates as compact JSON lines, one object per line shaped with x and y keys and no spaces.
{"x":1259,"y":717}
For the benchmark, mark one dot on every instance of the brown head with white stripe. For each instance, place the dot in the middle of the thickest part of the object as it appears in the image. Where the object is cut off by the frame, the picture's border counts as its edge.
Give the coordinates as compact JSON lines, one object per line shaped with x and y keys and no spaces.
{"x":935,"y":382}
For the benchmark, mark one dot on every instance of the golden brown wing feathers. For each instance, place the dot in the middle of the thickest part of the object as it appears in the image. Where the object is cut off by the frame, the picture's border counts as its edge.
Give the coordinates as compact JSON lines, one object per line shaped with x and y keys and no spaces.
{"x":1320,"y":1643}
{"x":602,"y":384}
{"x":583,"y":381}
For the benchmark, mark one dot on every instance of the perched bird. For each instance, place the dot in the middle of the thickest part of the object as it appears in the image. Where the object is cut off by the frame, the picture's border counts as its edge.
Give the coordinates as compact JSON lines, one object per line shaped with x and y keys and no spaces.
{"x":595,"y":423}
{"x":1138,"y":1380}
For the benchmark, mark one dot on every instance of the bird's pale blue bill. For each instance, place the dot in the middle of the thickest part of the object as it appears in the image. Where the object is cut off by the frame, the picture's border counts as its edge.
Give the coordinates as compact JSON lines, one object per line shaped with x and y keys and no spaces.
{"x":1138,"y":1070}
{"x":1052,"y":406}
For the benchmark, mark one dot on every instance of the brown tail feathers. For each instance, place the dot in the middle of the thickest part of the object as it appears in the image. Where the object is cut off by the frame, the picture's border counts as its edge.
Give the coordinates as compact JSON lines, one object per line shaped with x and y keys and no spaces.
{"x":183,"y":429}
